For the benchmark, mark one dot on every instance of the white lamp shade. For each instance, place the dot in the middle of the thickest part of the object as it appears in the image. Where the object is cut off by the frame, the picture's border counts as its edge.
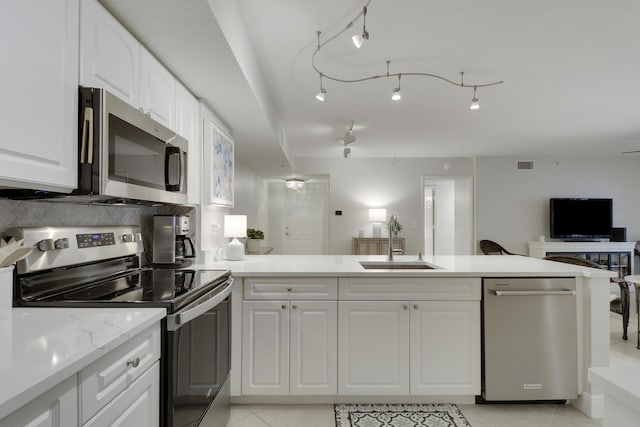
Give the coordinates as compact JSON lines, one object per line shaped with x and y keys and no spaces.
{"x":235,"y":226}
{"x":377,"y":215}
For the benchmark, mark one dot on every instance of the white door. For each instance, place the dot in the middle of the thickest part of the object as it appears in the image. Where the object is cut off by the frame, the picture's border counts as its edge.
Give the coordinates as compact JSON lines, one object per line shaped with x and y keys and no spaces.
{"x":445,"y":347}
{"x":314,"y":347}
{"x":110,"y":55}
{"x":39,"y":92}
{"x":265,"y":347}
{"x":305,"y":214}
{"x":448,"y":215}
{"x":157,"y":90}
{"x":373,"y":347}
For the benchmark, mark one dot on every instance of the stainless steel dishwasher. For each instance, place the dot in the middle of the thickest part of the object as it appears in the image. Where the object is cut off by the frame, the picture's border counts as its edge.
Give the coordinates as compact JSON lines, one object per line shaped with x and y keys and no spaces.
{"x":529,"y":339}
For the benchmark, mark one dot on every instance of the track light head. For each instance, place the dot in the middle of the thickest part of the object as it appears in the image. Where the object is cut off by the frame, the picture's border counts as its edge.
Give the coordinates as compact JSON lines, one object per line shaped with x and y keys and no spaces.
{"x":358,"y":39}
{"x":397,"y":96}
{"x":320,"y":95}
{"x":475,"y":105}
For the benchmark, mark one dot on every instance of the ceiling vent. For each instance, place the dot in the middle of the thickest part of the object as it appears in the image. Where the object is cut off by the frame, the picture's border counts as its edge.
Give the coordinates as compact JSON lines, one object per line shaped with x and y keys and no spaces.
{"x":528,"y":165}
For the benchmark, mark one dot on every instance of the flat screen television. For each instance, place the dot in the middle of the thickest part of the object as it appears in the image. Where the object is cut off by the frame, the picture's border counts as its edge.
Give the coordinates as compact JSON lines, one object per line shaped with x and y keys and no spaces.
{"x":580,"y":219}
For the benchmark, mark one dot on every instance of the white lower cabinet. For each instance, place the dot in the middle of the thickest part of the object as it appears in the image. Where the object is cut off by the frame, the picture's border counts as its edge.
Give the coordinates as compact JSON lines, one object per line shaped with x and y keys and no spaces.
{"x":445,"y":348}
{"x":373,"y":347}
{"x":56,"y":408}
{"x":409,"y":347}
{"x":289,"y":347}
{"x":138,"y":405}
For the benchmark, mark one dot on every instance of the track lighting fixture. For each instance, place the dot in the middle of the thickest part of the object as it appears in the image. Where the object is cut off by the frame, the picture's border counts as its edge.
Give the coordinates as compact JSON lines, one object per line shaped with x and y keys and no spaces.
{"x":320,"y":95}
{"x":475,"y":105}
{"x":397,"y":96}
{"x":358,"y":40}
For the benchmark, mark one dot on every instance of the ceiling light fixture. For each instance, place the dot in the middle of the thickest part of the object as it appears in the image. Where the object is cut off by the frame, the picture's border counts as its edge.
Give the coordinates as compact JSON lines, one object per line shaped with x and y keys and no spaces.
{"x":396,"y":96}
{"x":295,"y":183}
{"x":358,"y":40}
{"x":320,"y":95}
{"x":475,"y":105}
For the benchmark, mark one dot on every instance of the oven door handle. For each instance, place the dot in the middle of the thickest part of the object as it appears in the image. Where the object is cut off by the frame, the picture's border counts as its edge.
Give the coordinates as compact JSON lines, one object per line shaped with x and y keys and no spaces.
{"x":199,"y":307}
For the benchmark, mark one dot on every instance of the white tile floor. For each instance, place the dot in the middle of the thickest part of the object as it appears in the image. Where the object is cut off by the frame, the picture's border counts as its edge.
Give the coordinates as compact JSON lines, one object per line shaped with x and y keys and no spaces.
{"x":540,"y":415}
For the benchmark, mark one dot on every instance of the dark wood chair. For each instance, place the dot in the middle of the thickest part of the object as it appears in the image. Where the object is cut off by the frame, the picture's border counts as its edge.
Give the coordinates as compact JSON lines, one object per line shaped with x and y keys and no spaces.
{"x":489,"y":247}
{"x":618,"y":305}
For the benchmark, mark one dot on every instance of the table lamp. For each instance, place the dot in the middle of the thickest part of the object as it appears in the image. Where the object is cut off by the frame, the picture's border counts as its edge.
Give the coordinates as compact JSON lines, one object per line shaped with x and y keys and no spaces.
{"x":235,"y":226}
{"x":377,"y":216}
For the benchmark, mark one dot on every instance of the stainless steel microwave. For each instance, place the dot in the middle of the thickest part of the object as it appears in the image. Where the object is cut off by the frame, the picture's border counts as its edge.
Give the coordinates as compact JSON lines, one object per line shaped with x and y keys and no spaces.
{"x":126,"y":155}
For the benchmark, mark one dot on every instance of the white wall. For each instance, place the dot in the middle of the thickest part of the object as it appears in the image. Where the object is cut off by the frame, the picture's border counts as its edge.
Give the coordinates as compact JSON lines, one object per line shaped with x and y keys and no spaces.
{"x":512,"y":206}
{"x":251,"y":197}
{"x":358,"y":184}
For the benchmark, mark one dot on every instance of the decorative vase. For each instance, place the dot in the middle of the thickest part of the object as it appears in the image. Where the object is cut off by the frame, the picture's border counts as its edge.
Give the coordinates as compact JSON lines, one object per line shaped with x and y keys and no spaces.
{"x":253,"y":245}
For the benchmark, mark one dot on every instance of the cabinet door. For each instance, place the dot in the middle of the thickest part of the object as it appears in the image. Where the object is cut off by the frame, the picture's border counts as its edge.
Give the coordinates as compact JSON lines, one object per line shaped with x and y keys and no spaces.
{"x":373,"y":347}
{"x":39,"y":87}
{"x":138,"y":405}
{"x":109,"y":54}
{"x":265,"y":347}
{"x":56,"y":407}
{"x":313,"y":347}
{"x":445,"y":347}
{"x":187,"y":125}
{"x":157,"y":90}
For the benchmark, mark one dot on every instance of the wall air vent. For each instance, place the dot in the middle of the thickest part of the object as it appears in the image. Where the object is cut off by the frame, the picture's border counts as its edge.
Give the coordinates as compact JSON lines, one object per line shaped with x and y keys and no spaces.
{"x":528,"y":165}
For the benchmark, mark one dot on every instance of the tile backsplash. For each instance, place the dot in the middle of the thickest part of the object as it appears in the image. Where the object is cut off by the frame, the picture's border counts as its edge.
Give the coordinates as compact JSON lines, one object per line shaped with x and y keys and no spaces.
{"x":19,"y":213}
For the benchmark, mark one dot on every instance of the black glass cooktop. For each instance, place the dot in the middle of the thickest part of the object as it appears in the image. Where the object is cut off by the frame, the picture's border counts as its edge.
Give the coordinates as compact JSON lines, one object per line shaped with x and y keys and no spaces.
{"x":167,"y":288}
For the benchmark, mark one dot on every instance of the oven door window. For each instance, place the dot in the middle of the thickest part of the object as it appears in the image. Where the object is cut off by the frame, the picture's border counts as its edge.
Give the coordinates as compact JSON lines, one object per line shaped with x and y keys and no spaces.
{"x":201,"y":352}
{"x":137,"y":157}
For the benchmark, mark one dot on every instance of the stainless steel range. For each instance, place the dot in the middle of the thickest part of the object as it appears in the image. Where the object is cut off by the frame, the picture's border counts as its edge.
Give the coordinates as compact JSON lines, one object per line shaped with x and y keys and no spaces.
{"x":100,"y":266}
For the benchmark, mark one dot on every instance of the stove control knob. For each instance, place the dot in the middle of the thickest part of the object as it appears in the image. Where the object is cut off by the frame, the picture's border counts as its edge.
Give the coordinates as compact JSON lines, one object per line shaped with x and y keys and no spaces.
{"x":130,"y":237}
{"x":61,"y":243}
{"x":46,"y":245}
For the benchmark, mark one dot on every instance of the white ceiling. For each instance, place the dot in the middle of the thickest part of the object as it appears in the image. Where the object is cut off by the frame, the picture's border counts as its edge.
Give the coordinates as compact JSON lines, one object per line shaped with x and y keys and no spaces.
{"x":570,"y":68}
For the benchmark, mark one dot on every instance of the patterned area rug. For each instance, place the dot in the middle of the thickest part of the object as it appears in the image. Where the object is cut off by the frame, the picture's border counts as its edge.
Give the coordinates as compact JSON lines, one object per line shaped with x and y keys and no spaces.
{"x":399,"y":415}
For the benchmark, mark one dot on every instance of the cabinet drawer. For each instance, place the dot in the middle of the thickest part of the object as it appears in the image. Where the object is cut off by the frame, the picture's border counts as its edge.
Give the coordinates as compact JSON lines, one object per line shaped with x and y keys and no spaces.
{"x":389,"y":289}
{"x":289,"y":288}
{"x":138,"y":405}
{"x":104,"y":379}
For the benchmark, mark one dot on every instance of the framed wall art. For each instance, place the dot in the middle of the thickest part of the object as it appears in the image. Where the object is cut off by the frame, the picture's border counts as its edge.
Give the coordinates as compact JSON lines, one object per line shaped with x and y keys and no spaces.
{"x":219,"y":163}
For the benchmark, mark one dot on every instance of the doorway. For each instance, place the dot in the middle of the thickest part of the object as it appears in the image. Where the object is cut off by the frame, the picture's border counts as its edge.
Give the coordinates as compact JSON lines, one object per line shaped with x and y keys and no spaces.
{"x":448,"y":215}
{"x":299,"y":219}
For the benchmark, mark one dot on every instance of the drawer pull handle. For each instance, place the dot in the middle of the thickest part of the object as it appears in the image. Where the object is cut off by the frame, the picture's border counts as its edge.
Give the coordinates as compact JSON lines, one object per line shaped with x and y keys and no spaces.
{"x":415,"y":306}
{"x":294,"y":307}
{"x":405,"y":307}
{"x":289,"y":289}
{"x":284,"y":307}
{"x":133,"y":362}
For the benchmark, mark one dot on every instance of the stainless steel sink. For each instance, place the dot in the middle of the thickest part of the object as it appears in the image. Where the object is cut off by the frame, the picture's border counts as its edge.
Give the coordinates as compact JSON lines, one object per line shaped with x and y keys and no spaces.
{"x":397,"y":265}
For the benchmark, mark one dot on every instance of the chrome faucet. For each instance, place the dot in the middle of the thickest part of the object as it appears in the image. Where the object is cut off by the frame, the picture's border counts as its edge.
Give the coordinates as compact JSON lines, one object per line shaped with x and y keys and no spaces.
{"x":393,"y":227}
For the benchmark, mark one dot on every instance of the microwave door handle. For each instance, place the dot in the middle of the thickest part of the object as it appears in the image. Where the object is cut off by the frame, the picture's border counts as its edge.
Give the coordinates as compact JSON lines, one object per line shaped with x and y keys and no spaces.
{"x":173,"y":168}
{"x":86,"y":148}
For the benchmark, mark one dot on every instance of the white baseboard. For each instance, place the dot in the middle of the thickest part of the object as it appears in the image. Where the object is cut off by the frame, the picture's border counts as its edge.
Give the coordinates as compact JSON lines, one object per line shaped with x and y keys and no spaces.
{"x":590,"y":405}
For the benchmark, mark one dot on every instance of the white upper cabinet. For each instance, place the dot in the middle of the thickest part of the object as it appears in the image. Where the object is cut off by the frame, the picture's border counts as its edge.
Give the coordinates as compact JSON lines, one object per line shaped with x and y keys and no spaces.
{"x":188,"y":126}
{"x":39,"y":87}
{"x":111,"y":58}
{"x":157,"y":90}
{"x":109,"y":54}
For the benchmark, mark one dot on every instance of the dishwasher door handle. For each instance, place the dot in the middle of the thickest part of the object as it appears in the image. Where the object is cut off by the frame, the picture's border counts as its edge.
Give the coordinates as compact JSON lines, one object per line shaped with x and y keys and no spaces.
{"x":531,"y":293}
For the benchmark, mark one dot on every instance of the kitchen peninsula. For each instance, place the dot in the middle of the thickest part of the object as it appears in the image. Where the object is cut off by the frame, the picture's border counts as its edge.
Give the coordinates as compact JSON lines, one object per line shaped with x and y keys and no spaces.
{"x":318,"y":328}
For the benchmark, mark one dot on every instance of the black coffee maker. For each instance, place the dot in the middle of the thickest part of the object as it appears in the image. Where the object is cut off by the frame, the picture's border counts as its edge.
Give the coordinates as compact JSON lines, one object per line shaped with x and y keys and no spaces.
{"x":172,"y":246}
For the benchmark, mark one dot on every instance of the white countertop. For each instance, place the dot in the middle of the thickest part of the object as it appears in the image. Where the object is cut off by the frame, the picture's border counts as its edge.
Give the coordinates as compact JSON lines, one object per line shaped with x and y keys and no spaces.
{"x":41,"y":347}
{"x":449,"y":265}
{"x":621,"y":382}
